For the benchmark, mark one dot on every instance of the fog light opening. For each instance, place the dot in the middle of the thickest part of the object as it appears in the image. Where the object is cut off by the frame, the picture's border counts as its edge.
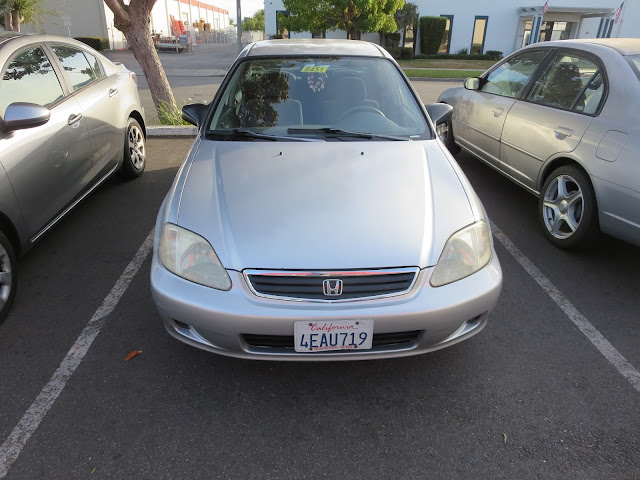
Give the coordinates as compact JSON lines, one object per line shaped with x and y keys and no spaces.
{"x":181,"y":325}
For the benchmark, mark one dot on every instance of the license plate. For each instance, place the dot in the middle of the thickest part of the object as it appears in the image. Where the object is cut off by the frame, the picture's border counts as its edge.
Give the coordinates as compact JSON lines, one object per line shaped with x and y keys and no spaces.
{"x":336,"y":335}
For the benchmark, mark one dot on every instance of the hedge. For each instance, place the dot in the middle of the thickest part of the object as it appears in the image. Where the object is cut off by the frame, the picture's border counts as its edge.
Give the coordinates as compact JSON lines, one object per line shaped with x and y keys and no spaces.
{"x":401,"y":53}
{"x":97,"y":43}
{"x":455,"y":56}
{"x":391,"y":40}
{"x":431,"y":33}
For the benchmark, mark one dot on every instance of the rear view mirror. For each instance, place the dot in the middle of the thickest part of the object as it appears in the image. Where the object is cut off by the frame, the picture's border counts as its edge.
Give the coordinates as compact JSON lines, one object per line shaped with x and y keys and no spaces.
{"x":472,"y":83}
{"x":20,"y":115}
{"x":194,"y":113}
{"x":439,"y":112}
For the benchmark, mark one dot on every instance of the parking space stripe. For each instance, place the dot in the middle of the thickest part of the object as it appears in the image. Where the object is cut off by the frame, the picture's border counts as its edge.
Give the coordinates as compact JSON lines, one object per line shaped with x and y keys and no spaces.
{"x":595,"y":337}
{"x":13,"y":445}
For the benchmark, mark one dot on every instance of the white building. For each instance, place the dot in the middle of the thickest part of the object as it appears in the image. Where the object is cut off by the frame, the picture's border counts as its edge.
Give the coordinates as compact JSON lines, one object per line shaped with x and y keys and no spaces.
{"x":92,"y":18}
{"x":505,"y":25}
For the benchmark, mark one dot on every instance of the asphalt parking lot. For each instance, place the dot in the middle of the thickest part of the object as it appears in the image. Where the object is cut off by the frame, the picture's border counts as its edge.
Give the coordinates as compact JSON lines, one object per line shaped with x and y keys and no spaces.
{"x":532,"y":396}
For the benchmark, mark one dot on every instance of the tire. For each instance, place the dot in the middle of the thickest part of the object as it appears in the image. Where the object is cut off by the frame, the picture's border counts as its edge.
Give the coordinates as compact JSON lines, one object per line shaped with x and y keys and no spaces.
{"x":8,"y":276}
{"x":568,"y":209}
{"x":445,"y":133}
{"x":135,"y":151}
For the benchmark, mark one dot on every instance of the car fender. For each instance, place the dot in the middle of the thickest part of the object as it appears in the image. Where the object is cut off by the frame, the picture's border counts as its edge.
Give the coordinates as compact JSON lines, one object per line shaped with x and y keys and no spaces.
{"x":10,"y":210}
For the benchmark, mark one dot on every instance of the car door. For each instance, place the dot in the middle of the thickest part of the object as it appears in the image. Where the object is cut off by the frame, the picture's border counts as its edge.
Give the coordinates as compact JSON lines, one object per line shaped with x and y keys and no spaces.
{"x":98,"y":97}
{"x":48,"y":166}
{"x":480,"y":114}
{"x":552,"y":117}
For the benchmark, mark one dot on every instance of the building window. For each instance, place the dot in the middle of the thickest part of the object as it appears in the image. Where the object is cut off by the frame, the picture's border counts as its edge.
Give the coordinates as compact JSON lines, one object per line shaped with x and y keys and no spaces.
{"x":280,"y":14}
{"x":479,"y":33}
{"x":446,"y":38}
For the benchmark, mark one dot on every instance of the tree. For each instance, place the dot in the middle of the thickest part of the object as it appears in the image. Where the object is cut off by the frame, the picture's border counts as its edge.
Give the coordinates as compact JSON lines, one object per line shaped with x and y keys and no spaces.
{"x":254,"y":23}
{"x":406,"y":17}
{"x":133,"y":20}
{"x":353,"y":16}
{"x":17,"y":12}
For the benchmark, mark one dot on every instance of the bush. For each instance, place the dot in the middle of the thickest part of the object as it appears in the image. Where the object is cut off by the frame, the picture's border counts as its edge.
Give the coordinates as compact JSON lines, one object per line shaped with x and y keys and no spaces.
{"x":277,"y":36}
{"x":454,"y":56}
{"x":391,"y":40}
{"x":494,"y":54}
{"x":97,"y":43}
{"x":431,"y":33}
{"x":462,"y":51}
{"x":401,"y":53}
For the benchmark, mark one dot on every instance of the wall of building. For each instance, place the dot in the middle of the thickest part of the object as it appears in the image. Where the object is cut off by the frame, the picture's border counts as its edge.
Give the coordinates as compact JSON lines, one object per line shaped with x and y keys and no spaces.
{"x":504,"y":26}
{"x":93,"y":18}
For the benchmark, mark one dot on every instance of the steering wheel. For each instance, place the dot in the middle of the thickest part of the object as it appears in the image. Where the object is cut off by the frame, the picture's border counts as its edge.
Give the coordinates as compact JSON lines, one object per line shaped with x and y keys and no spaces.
{"x":362,"y":108}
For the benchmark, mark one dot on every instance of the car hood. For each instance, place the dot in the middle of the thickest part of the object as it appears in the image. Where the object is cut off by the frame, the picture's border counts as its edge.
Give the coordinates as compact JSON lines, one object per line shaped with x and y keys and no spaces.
{"x":324,"y":205}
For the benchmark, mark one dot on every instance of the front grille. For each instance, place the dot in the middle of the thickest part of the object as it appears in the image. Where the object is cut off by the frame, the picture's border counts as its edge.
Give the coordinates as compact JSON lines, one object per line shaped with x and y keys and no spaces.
{"x":395,"y":339}
{"x":309,"y":285}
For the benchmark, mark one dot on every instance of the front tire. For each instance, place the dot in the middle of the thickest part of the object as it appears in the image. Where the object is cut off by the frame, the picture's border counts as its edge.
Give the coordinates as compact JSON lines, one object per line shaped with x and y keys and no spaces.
{"x":8,"y":276}
{"x":135,"y":151}
{"x":567,"y":208}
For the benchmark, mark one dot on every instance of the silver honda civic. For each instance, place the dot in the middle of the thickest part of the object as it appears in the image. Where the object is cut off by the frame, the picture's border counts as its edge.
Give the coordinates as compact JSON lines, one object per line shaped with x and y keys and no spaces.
{"x":318,"y":216}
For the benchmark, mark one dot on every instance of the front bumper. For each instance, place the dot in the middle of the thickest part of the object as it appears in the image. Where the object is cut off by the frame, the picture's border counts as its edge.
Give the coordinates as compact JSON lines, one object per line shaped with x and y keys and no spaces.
{"x":217,"y":321}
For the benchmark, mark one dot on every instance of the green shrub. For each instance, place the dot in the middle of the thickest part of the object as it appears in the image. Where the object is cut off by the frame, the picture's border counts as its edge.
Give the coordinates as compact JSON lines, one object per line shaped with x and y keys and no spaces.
{"x":462,"y":51}
{"x":454,"y":56}
{"x":391,"y":40}
{"x":97,"y":43}
{"x":494,"y":54}
{"x":431,"y":33}
{"x":277,"y":36}
{"x":170,"y":116}
{"x":401,"y":53}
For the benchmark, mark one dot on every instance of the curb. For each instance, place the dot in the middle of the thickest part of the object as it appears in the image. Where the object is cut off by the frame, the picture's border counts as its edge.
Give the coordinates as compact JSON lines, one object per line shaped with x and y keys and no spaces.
{"x":171,"y":131}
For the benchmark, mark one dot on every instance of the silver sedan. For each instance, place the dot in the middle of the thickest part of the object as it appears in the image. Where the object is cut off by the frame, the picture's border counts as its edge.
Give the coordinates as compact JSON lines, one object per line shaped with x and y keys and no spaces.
{"x":318,"y":217}
{"x":561,"y":120}
{"x":69,"y":118}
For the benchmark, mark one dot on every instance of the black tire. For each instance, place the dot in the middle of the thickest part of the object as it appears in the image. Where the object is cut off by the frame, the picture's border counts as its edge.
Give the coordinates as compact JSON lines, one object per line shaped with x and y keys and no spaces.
{"x":567,"y":208}
{"x":448,"y":137}
{"x":8,"y":276}
{"x":135,"y":151}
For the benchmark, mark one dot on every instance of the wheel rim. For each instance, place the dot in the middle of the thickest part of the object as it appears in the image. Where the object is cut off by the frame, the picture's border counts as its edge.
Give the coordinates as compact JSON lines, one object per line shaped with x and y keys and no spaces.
{"x":136,"y":147}
{"x":563,"y":206}
{"x":442,"y":130}
{"x":6,"y":277}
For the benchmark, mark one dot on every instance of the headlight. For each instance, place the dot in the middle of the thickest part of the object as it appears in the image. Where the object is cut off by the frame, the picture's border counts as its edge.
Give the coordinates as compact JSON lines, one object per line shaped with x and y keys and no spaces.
{"x":190,"y":256}
{"x":466,"y":252}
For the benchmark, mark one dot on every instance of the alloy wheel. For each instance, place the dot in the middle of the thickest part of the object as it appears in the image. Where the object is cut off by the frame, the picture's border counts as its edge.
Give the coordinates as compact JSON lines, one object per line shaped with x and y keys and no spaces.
{"x":136,"y":146}
{"x":563,"y":206}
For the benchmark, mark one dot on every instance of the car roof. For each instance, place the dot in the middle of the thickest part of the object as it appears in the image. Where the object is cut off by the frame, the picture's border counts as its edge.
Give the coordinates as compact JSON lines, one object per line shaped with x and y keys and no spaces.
{"x":286,"y":47}
{"x":624,"y":46}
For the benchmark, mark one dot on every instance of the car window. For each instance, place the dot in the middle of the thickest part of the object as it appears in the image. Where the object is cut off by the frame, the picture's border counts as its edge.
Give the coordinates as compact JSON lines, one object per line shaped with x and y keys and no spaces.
{"x":359,"y":94}
{"x":29,"y":77}
{"x":569,"y":82}
{"x":634,"y":61}
{"x":510,"y":78}
{"x":75,"y":64}
{"x":95,"y":64}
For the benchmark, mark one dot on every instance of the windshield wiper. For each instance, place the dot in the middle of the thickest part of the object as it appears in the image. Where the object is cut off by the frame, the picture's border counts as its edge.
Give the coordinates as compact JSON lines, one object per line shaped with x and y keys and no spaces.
{"x":336,"y":132}
{"x":244,"y":134}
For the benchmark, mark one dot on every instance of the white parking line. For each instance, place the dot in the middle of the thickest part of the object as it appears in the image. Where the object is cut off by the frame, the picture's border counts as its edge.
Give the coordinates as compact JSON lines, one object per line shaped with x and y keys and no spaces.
{"x":602,"y":344}
{"x":28,"y":424}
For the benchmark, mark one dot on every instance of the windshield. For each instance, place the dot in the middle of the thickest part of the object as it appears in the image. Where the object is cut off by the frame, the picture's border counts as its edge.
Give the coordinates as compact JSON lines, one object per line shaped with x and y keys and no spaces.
{"x":634,"y":60}
{"x":332,"y":98}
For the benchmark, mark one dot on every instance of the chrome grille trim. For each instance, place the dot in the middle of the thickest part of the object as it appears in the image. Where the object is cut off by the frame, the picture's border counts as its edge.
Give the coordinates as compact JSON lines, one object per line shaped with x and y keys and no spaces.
{"x":330,"y":274}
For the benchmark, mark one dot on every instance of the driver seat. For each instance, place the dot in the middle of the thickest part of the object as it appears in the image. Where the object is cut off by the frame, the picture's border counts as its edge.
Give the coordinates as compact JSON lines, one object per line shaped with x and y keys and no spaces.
{"x":346,"y":93}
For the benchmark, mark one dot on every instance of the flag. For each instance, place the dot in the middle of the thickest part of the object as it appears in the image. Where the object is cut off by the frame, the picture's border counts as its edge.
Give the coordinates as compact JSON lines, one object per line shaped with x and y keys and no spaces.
{"x":546,"y":7}
{"x":618,"y":13}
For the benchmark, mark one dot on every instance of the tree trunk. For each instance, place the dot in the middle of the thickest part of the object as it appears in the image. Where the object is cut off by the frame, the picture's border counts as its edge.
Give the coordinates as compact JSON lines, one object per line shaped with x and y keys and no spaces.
{"x":141,"y":43}
{"x":16,"y":20}
{"x":133,"y":20}
{"x":8,"y":20}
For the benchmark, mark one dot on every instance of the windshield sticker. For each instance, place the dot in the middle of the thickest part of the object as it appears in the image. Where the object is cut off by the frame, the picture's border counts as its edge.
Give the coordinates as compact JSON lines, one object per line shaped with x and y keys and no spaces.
{"x":315,"y":69}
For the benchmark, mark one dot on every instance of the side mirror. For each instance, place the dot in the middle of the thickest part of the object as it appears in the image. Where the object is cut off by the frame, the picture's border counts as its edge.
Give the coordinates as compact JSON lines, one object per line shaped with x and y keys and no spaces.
{"x":472,"y":83}
{"x":20,"y":115}
{"x":195,"y":113}
{"x":439,"y":112}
